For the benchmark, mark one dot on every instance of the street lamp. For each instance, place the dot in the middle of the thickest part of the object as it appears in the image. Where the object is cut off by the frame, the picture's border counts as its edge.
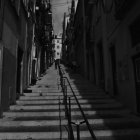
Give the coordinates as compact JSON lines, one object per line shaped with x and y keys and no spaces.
{"x":50,"y":13}
{"x":37,"y":8}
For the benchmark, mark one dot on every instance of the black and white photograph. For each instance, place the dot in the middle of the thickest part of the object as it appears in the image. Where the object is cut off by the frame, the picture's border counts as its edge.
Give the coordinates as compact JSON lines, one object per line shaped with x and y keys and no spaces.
{"x":69,"y":69}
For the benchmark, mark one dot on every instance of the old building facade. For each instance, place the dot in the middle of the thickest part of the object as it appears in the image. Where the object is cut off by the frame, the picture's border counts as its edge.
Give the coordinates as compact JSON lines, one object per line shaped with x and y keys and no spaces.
{"x":19,"y":47}
{"x":11,"y":38}
{"x":15,"y":49}
{"x":57,"y":47}
{"x":43,"y":36}
{"x":106,"y":39}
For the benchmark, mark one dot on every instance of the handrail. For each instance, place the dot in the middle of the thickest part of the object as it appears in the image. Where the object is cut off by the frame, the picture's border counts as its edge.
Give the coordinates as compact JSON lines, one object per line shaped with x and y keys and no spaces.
{"x":67,"y":131}
{"x":83,"y":114}
{"x":88,"y":125}
{"x":67,"y":114}
{"x":62,"y":71}
{"x":60,"y":118}
{"x":60,"y":125}
{"x":64,"y":89}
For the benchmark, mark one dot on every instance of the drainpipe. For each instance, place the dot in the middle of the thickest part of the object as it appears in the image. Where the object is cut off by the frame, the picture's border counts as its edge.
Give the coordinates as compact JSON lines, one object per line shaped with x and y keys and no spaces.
{"x":84,"y":39}
{"x":105,"y":50}
{"x":2,"y":18}
{"x":1,"y":50}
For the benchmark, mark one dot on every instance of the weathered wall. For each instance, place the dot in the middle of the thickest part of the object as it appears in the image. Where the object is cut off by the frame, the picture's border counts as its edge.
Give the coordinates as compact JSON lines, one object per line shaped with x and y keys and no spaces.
{"x":23,"y":44}
{"x":9,"y":66}
{"x":118,"y":35}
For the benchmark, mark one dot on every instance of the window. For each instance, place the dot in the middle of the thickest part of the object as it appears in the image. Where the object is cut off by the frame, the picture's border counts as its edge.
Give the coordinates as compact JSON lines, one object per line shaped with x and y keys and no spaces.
{"x":57,"y":47}
{"x":57,"y":41}
{"x":135,"y":32}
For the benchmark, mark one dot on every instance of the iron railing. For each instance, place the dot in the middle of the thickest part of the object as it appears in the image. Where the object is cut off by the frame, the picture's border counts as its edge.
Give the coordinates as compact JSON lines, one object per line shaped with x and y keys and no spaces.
{"x":68,"y":108}
{"x":60,"y":124}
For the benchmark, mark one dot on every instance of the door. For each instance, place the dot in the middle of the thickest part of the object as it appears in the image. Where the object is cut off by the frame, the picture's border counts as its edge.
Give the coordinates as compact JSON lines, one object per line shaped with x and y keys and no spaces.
{"x":114,"y":70}
{"x":101,"y":65}
{"x":33,"y":79}
{"x":19,"y":72}
{"x":137,"y":80}
{"x":93,"y":66}
{"x":1,"y":67}
{"x":88,"y":71}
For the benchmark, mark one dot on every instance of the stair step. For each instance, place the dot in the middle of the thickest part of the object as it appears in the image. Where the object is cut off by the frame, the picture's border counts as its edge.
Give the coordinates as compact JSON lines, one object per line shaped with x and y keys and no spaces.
{"x":55,"y":107}
{"x":121,"y":134}
{"x":6,"y":125}
{"x":83,"y":92}
{"x":31,"y":126}
{"x":127,"y":134}
{"x":33,"y":136}
{"x":43,"y":86}
{"x":94,"y":97}
{"x":54,"y":115}
{"x":58,"y":90}
{"x":81,"y":101}
{"x":38,"y":116}
{"x":74,"y":87}
{"x":83,"y":88}
{"x":61,"y":93}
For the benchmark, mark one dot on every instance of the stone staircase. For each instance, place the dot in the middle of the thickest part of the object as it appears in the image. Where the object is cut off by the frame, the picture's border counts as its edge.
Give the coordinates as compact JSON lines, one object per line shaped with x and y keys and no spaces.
{"x":40,"y":114}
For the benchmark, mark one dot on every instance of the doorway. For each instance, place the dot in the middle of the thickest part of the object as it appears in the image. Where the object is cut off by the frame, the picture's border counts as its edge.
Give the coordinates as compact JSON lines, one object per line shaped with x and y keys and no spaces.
{"x":113,"y":68}
{"x":101,"y":65}
{"x":88,"y":70}
{"x":33,"y":78}
{"x":93,"y":67}
{"x":136,"y":62}
{"x":19,"y":72}
{"x":1,"y":67}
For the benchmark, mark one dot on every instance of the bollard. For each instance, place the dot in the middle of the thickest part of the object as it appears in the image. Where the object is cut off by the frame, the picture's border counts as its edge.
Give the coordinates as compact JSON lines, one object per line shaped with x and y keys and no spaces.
{"x":77,"y":124}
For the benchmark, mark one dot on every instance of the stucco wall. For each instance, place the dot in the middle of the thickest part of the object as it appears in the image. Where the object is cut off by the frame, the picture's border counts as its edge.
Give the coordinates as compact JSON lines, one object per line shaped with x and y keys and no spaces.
{"x":118,"y":34}
{"x":23,"y":44}
{"x":9,"y":67}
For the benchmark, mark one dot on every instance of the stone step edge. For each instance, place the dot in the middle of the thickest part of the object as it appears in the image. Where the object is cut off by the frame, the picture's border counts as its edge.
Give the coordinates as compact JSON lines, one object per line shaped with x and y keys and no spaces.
{"x":56,"y":135}
{"x":112,"y":112}
{"x":47,"y":123}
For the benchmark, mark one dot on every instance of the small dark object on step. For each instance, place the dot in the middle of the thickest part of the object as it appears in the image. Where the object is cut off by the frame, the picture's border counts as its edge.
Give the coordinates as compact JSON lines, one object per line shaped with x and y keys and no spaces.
{"x":41,"y":94}
{"x":27,"y":91}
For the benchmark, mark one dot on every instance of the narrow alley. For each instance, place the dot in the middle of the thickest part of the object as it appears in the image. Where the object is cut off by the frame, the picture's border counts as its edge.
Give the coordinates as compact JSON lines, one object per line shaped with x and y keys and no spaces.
{"x":39,"y":113}
{"x":69,"y":70}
